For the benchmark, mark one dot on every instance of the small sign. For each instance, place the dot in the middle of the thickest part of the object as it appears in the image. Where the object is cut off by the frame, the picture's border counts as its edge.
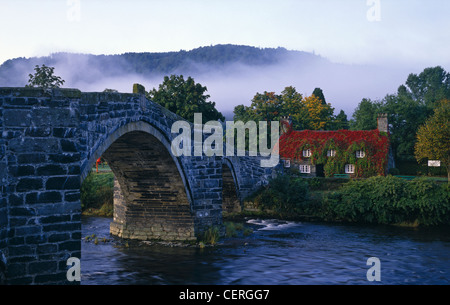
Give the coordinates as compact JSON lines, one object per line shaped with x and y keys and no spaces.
{"x":434,"y":163}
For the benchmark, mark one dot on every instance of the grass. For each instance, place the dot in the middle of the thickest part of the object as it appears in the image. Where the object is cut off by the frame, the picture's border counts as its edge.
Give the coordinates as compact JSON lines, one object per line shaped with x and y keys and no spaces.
{"x":97,"y":194}
{"x":211,"y":236}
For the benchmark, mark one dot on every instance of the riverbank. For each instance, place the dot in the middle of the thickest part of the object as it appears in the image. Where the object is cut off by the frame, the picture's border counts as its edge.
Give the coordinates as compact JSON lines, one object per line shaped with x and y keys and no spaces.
{"x":377,"y":200}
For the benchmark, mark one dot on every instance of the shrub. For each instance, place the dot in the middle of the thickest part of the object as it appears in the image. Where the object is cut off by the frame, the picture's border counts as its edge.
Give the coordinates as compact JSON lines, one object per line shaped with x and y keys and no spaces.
{"x":389,"y":200}
{"x":284,"y":194}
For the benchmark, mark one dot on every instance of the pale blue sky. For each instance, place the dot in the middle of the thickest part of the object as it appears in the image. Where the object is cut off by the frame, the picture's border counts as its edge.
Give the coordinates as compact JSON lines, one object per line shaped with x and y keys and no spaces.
{"x":411,"y":32}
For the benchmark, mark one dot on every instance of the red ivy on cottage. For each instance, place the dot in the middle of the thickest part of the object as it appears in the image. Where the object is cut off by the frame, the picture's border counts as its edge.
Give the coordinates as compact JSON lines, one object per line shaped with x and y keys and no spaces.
{"x":374,"y":143}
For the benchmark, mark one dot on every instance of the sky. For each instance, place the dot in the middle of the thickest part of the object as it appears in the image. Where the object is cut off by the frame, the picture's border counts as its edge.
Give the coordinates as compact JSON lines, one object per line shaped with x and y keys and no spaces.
{"x":408,"y":34}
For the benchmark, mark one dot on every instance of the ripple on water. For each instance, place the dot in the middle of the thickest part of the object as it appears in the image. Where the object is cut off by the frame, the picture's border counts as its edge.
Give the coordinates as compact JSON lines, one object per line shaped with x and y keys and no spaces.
{"x":278,"y":252}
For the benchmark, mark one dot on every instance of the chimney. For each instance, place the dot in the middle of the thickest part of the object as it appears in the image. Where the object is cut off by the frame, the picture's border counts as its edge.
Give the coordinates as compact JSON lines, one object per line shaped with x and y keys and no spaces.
{"x":382,"y":122}
{"x":286,"y":124}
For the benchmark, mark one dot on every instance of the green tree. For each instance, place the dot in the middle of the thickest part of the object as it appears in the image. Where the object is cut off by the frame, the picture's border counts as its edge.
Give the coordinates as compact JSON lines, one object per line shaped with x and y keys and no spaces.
{"x":365,"y":115}
{"x":405,"y":115}
{"x":430,"y":86}
{"x":319,"y":94}
{"x":433,"y":138}
{"x":185,"y":97}
{"x":44,"y":78}
{"x":341,"y":121}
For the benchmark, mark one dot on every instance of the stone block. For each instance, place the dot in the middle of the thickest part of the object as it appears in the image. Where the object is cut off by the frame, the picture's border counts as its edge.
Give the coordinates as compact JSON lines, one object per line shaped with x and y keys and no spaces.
{"x":29,"y":184}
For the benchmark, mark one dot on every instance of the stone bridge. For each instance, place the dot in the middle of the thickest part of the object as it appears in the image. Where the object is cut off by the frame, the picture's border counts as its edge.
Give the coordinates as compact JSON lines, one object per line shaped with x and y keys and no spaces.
{"x":51,"y":140}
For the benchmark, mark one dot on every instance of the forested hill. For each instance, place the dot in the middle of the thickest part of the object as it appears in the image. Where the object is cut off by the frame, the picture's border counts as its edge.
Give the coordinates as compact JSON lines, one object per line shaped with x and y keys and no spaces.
{"x":15,"y":72}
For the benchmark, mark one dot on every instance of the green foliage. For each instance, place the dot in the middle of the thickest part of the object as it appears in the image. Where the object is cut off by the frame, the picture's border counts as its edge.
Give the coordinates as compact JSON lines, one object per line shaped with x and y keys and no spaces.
{"x":365,"y":115}
{"x":232,"y":228}
{"x":319,"y":94}
{"x":284,"y":194}
{"x":185,"y":97}
{"x":429,"y":87}
{"x":341,"y":121}
{"x":305,"y":112}
{"x":407,"y":109}
{"x":44,"y":78}
{"x":211,"y":235}
{"x":433,"y":138}
{"x":389,"y":200}
{"x":97,"y":192}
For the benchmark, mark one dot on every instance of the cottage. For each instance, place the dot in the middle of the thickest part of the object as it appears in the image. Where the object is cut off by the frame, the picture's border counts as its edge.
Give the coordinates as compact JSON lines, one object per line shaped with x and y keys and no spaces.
{"x":357,"y":153}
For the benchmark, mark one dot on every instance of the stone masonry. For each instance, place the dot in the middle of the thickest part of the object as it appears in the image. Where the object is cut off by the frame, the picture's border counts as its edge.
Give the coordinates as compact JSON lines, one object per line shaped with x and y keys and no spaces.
{"x":50,"y":141}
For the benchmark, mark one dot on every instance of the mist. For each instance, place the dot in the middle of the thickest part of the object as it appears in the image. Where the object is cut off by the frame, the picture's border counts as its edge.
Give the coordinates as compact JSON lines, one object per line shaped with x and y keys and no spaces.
{"x":228,"y":85}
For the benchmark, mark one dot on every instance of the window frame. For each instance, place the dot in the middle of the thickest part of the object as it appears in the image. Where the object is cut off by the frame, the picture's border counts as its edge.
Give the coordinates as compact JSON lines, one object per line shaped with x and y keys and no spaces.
{"x":360,"y":154}
{"x":302,"y":168}
{"x":307,"y":153}
{"x":349,"y":168}
{"x":331,"y":153}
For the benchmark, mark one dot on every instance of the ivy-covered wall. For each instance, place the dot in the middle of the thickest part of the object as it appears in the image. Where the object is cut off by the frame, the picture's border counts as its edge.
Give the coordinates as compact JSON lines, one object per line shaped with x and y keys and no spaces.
{"x":345,"y":143}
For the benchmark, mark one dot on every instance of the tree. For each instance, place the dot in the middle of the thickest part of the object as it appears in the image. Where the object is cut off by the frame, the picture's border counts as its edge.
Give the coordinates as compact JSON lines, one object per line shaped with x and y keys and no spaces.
{"x":365,"y":115}
{"x":318,"y":115}
{"x":433,"y":138}
{"x":405,"y":115}
{"x":319,"y":93}
{"x":430,"y":86}
{"x":305,"y":112}
{"x":44,"y":78}
{"x":341,"y":121}
{"x":185,"y":97}
{"x":293,"y":106}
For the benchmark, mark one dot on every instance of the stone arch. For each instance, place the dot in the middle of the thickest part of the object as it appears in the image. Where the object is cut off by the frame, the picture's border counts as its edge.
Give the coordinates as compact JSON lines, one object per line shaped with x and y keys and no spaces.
{"x":231,"y":198}
{"x":130,"y":127}
{"x":152,"y":199}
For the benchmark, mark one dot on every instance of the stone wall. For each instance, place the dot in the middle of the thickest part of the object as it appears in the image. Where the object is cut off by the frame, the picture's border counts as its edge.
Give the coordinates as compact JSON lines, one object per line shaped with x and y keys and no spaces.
{"x":41,"y":183}
{"x":4,"y":220}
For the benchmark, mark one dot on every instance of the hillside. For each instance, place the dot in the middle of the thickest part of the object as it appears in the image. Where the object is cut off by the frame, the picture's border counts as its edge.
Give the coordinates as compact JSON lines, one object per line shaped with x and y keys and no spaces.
{"x":233,"y":74}
{"x":14,"y":72}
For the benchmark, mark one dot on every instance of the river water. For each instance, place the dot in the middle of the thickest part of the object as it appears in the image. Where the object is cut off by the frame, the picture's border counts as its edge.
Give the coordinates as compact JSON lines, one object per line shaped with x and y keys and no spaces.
{"x":276,"y":253}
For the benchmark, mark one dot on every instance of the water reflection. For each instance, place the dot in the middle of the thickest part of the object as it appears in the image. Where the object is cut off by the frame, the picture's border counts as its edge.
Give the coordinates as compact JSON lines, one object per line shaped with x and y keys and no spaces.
{"x":276,"y":253}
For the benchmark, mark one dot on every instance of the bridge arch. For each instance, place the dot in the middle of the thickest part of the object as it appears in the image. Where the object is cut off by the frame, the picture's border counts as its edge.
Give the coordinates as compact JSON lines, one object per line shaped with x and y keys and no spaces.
{"x":152,"y":197}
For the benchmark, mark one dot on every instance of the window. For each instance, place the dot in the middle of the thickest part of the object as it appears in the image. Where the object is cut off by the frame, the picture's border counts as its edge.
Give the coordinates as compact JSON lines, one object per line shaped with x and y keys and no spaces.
{"x":331,"y":153}
{"x":305,"y":169}
{"x":287,"y":163}
{"x":307,"y":153}
{"x":360,"y":154}
{"x":349,"y":169}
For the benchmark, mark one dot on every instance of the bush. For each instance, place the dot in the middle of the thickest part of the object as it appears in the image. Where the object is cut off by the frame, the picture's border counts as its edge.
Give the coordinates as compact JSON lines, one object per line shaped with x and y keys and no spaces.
{"x":284,"y":195}
{"x":390,"y":200}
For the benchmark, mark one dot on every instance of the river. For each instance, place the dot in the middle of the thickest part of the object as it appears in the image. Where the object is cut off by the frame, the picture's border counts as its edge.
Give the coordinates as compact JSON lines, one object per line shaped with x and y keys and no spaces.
{"x":276,"y":253}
